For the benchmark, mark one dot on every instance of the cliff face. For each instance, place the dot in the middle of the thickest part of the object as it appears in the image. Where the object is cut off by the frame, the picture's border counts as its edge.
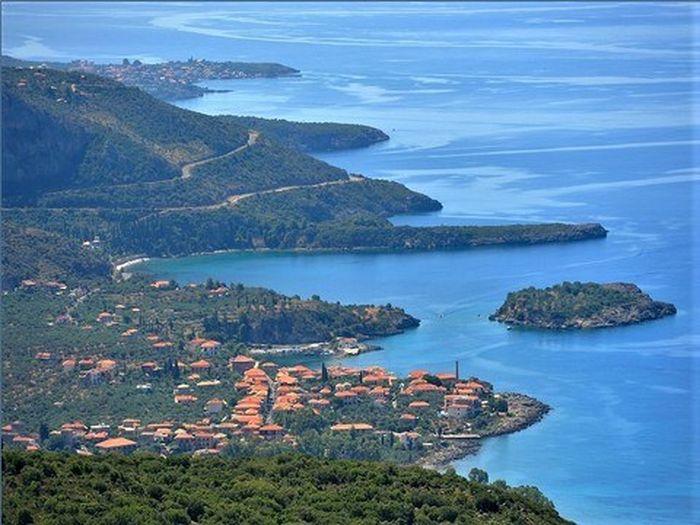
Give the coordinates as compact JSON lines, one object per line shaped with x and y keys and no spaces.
{"x":28,"y":137}
{"x":581,"y":306}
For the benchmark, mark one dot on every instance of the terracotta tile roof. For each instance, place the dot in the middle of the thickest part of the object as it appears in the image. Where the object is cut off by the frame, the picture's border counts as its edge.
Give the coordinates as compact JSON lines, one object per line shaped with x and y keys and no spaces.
{"x":271,"y":428}
{"x":113,"y":443}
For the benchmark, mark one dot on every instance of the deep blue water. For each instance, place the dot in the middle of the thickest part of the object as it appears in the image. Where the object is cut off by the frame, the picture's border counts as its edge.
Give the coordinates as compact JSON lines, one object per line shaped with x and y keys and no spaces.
{"x":504,"y":112}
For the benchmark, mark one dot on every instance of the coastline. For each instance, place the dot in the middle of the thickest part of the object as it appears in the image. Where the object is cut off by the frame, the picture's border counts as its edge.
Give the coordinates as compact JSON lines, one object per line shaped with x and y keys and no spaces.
{"x":526,"y":410}
{"x":356,"y":250}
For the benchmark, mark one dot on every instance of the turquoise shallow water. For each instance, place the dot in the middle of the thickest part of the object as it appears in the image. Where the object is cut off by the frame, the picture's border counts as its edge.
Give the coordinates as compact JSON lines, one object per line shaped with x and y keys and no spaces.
{"x":504,"y":112}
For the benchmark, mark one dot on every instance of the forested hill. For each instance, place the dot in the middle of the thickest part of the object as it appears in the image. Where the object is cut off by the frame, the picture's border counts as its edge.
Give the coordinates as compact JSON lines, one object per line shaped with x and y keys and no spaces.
{"x":85,"y":156}
{"x":32,"y":253}
{"x":65,"y":130}
{"x":149,"y":490}
{"x":314,"y":136}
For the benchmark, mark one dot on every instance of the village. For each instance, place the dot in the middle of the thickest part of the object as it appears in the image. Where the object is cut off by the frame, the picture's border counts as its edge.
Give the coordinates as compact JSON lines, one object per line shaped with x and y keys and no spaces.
{"x":265,"y":396}
{"x":206,"y":396}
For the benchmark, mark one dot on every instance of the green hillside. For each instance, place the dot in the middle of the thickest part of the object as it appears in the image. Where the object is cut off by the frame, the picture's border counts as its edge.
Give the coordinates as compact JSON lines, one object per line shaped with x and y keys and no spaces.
{"x":87,"y":156}
{"x":72,"y":130}
{"x":314,"y":136}
{"x":32,"y":253}
{"x":145,"y":490}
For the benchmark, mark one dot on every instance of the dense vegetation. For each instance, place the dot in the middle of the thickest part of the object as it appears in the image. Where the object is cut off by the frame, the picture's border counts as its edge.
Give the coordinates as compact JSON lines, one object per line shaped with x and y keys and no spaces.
{"x":144,"y":490}
{"x":39,"y":320}
{"x":580,"y":305}
{"x":257,"y":168}
{"x":314,"y":136}
{"x":72,"y":130}
{"x":108,"y":161}
{"x":32,"y":253}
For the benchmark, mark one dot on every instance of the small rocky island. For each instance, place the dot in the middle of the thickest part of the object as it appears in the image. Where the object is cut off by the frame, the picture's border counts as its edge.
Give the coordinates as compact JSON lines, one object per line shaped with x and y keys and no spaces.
{"x":572,"y":305}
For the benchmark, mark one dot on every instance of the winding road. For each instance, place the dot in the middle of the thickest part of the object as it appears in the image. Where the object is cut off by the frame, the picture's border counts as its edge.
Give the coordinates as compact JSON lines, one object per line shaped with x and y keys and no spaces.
{"x":187,"y":168}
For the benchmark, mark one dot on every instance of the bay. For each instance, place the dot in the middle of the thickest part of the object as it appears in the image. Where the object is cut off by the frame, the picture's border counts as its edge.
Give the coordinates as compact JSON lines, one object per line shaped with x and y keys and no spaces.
{"x":521,"y":112}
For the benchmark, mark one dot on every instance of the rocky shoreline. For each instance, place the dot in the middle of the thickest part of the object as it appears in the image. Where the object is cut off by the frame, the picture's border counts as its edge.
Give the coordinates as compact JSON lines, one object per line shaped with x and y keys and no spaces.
{"x":524,"y":411}
{"x":569,"y":306}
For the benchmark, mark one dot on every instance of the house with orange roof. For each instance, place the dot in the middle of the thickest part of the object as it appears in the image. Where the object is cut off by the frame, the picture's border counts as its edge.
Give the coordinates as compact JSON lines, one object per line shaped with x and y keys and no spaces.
{"x":360,"y":390}
{"x":86,"y":362}
{"x":159,"y":285}
{"x":346,"y":397}
{"x":408,"y":418}
{"x":210,"y":346}
{"x":285,"y":379}
{"x":241,"y":363}
{"x":376,"y":379}
{"x":195,"y":343}
{"x":461,"y":406}
{"x":201,"y":366}
{"x":97,"y":436}
{"x":184,"y":440}
{"x":105,"y":318}
{"x":271,"y":431}
{"x":119,"y":444}
{"x":106,"y":365}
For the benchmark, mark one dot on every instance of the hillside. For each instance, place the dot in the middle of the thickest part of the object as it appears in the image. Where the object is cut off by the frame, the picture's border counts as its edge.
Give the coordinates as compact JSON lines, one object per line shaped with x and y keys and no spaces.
{"x":32,"y":253}
{"x":580,"y":305}
{"x":66,"y":130}
{"x":283,"y":489}
{"x":86,"y":156}
{"x":38,"y":319}
{"x":314,"y":136}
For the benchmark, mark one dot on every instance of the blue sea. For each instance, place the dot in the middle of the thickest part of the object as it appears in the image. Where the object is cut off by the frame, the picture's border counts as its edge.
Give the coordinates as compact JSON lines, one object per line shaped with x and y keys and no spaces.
{"x":505,"y":112}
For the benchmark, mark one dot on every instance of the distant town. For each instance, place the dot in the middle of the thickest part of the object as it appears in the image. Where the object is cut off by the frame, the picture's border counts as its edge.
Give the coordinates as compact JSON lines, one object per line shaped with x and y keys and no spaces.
{"x":169,"y":80}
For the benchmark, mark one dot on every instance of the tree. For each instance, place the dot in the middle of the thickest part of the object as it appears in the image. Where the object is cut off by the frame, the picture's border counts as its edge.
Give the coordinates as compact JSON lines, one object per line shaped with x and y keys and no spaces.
{"x":478,"y":476}
{"x":324,"y":373}
{"x":43,"y":432}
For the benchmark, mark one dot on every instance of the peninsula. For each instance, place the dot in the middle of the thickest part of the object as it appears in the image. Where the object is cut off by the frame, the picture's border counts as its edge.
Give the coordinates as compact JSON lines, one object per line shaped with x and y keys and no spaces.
{"x":575,"y":305}
{"x":158,"y":367}
{"x":171,"y":80}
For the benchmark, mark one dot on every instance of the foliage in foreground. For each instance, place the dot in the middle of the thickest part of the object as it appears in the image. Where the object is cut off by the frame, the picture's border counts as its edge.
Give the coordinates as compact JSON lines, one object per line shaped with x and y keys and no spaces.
{"x":54,"y":488}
